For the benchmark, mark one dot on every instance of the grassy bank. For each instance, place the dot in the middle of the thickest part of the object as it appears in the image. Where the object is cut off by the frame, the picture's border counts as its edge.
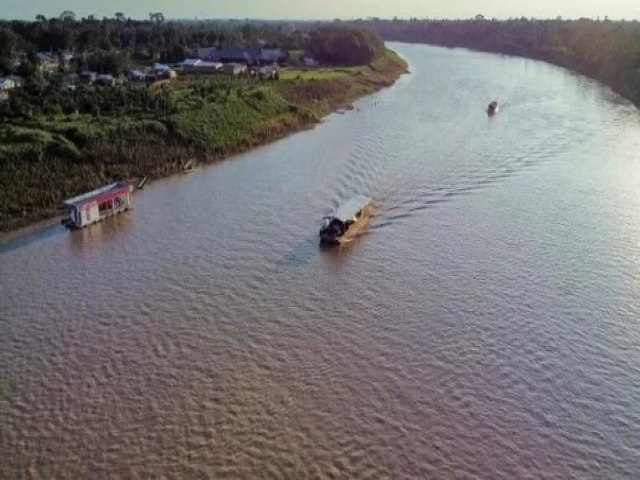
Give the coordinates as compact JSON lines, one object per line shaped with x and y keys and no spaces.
{"x":47,"y":158}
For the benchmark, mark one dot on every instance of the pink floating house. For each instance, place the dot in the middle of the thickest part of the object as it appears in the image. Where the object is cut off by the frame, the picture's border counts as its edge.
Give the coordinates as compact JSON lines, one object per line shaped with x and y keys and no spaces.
{"x":97,"y":205}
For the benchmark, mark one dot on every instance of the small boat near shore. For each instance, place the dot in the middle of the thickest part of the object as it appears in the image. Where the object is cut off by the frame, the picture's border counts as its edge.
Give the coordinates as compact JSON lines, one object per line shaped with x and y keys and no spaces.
{"x":349,"y":219}
{"x":492,"y":109}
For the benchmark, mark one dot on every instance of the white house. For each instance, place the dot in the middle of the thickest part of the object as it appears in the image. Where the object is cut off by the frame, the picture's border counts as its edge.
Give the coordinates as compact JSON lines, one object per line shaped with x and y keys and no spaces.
{"x":106,"y":80}
{"x":137,"y":76}
{"x":197,"y":65}
{"x":6,"y":84}
{"x":234,"y":68}
{"x":48,"y":61}
{"x":309,"y":61}
{"x":17,"y":80}
{"x":163,"y":71}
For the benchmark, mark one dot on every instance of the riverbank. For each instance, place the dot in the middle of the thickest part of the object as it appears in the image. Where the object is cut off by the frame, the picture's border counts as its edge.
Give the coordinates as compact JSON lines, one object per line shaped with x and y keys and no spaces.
{"x":47,"y":159}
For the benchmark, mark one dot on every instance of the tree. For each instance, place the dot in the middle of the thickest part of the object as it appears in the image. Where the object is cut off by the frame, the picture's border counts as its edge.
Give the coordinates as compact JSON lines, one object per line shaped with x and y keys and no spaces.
{"x":344,"y":45}
{"x":41,"y":18}
{"x":9,"y":50}
{"x":68,"y":16}
{"x":156,"y":17}
{"x":119,"y":16}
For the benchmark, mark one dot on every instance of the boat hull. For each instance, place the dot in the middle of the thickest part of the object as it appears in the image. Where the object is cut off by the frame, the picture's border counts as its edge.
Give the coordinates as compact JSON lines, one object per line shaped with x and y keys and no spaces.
{"x":351,"y":233}
{"x":348,"y":221}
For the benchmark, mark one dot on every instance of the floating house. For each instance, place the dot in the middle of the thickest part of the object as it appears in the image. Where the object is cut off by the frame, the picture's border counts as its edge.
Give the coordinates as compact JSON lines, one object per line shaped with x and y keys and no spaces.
{"x":97,"y":205}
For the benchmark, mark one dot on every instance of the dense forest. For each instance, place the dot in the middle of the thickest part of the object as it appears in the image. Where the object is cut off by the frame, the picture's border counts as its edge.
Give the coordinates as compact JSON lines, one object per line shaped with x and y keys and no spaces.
{"x":338,"y":45}
{"x":604,"y":50}
{"x":154,"y":39}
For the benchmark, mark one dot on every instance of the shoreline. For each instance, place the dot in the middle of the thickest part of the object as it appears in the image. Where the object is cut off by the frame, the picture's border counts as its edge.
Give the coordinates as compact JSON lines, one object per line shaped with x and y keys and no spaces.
{"x":304,"y":115}
{"x":568,"y":44}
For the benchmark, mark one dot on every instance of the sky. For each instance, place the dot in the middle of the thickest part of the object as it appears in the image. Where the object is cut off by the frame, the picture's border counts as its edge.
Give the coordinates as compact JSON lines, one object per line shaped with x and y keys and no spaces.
{"x":326,"y":9}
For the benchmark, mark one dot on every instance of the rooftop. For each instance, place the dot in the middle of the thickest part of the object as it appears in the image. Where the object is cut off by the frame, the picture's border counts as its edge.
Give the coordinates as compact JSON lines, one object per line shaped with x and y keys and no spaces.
{"x":100,"y":194}
{"x":349,"y":208}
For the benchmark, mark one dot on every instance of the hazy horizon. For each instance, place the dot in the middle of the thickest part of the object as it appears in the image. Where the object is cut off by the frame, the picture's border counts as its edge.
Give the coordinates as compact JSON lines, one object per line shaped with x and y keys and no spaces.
{"x":328,"y":9}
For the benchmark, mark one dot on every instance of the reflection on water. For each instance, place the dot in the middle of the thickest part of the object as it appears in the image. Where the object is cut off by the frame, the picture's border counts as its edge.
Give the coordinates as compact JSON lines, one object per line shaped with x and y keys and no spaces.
{"x":36,"y":234}
{"x":485,"y":326}
{"x":102,"y":234}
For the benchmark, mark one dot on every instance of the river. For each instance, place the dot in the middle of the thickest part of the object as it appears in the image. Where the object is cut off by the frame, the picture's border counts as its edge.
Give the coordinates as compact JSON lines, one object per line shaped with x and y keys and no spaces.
{"x":485,"y":327}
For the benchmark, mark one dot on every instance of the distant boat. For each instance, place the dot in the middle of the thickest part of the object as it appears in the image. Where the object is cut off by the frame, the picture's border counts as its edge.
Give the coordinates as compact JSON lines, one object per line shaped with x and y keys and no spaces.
{"x":492,"y":108}
{"x":347,"y":220}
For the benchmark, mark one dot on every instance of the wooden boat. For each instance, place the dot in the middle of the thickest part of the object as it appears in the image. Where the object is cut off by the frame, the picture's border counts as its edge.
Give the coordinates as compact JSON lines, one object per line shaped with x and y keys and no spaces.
{"x":346,"y":222}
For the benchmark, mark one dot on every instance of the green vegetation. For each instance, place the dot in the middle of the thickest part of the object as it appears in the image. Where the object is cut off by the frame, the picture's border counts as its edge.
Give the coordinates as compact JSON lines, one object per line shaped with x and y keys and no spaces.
{"x":57,"y":141}
{"x":338,"y":45}
{"x":54,"y":145}
{"x":603,"y":50}
{"x":111,"y":44}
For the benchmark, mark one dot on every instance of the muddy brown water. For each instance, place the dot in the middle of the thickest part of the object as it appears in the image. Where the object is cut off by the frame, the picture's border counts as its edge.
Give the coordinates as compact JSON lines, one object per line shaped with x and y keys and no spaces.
{"x":485,"y":327}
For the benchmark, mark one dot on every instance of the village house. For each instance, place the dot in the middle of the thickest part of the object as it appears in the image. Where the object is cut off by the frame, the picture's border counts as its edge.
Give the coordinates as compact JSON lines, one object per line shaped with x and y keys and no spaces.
{"x":6,"y":83}
{"x":247,"y":56}
{"x":163,"y":72}
{"x":48,"y":61}
{"x":137,"y":76}
{"x":195,"y":65}
{"x":234,"y":69}
{"x":17,"y":80}
{"x":88,"y":76}
{"x":309,"y":61}
{"x":106,"y":80}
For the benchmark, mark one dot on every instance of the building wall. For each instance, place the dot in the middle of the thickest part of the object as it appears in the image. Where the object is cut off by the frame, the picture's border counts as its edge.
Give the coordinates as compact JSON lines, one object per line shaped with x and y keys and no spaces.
{"x":7,"y":84}
{"x":95,"y":213}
